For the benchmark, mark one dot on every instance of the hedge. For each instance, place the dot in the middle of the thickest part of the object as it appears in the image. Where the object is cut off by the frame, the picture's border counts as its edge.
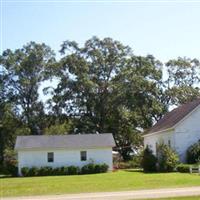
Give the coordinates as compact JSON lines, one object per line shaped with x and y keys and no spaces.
{"x":183,"y":168}
{"x":67,"y":170}
{"x":94,"y":168}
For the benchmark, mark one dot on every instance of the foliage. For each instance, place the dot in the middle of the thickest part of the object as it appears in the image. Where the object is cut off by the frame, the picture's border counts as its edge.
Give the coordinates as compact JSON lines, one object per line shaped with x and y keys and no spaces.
{"x":167,"y":158}
{"x":98,"y":87}
{"x":148,"y":161}
{"x":88,"y":169}
{"x":33,"y":171}
{"x":126,"y":136}
{"x":58,"y":129}
{"x":65,"y":170}
{"x":10,"y":163}
{"x":44,"y":171}
{"x":11,"y":169}
{"x":193,"y":153}
{"x":183,"y":168}
{"x":60,"y":171}
{"x":24,"y":69}
{"x":92,"y":168}
{"x":73,"y":170}
{"x":25,"y":171}
{"x":135,"y":162}
{"x":108,"y":89}
{"x":10,"y":127}
{"x":101,"y":168}
{"x":182,"y":80}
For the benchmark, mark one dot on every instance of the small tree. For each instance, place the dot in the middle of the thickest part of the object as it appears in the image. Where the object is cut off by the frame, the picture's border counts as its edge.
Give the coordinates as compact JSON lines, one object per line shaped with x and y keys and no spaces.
{"x":167,"y":158}
{"x":193,"y":153}
{"x":148,"y":160}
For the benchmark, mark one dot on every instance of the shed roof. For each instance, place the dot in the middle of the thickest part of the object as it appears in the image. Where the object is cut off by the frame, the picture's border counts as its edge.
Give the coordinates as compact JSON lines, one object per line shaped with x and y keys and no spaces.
{"x":176,"y":115}
{"x":64,"y":141}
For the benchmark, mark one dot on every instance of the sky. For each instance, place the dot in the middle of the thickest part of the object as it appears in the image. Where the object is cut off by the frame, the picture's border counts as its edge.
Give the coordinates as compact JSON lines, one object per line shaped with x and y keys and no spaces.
{"x":163,"y":28}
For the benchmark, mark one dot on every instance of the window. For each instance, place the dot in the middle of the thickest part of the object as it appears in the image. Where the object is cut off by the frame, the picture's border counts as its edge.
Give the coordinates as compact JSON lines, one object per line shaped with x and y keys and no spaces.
{"x":169,"y":143}
{"x":83,"y":155}
{"x":50,"y":157}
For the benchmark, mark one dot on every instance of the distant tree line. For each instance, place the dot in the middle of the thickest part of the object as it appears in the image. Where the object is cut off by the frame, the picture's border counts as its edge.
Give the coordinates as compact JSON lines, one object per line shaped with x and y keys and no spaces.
{"x":101,"y":86}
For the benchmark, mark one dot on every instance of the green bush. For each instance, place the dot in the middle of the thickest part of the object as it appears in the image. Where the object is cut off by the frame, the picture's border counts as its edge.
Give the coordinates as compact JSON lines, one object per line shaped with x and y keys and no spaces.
{"x":167,"y":158}
{"x":45,"y":171}
{"x":3,"y":170}
{"x":59,"y":171}
{"x":12,"y":169}
{"x":24,"y":171}
{"x":73,"y":170}
{"x":99,"y":169}
{"x":10,"y":162}
{"x":103,"y":168}
{"x":64,"y":170}
{"x":92,"y":168}
{"x":88,"y":169}
{"x":136,"y":161}
{"x":9,"y":169}
{"x":193,"y":153}
{"x":33,"y":171}
{"x":148,"y":161}
{"x":183,"y":168}
{"x":9,"y":166}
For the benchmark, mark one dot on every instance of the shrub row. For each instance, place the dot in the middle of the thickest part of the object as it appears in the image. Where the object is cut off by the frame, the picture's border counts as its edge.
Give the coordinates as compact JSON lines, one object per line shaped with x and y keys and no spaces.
{"x":67,"y":170}
{"x":183,"y":168}
{"x":94,"y":168}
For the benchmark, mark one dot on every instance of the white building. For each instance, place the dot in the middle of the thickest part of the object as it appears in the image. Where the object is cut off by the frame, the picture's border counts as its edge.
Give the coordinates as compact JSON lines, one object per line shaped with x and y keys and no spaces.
{"x":64,"y":150}
{"x":179,"y":128}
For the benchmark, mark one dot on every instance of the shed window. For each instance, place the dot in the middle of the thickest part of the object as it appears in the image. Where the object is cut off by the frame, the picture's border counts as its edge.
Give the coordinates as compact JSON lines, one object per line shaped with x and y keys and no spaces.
{"x":50,"y":157}
{"x":83,"y":155}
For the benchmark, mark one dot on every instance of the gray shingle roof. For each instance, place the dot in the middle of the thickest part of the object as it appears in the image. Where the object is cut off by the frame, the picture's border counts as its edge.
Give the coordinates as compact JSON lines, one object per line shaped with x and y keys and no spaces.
{"x":64,"y":141}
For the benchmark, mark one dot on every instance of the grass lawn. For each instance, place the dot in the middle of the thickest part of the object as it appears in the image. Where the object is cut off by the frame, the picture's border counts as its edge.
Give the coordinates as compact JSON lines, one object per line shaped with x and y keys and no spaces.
{"x":115,"y":181}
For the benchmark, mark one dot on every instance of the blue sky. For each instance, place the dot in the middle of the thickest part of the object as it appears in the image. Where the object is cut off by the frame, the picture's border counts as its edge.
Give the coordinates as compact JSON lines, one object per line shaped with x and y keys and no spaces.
{"x":166,"y":30}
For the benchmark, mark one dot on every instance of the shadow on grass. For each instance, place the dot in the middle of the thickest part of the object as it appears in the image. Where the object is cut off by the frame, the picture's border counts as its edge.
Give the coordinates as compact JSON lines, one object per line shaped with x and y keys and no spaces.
{"x":133,"y":170}
{"x":141,"y":170}
{"x":5,"y":176}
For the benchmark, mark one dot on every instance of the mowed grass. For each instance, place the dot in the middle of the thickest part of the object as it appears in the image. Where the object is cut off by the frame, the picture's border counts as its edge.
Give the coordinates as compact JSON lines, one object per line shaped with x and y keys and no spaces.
{"x":115,"y":181}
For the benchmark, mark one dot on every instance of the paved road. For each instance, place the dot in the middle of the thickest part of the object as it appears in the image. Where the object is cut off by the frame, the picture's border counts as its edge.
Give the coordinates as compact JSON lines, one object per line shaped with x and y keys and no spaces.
{"x":124,"y":195}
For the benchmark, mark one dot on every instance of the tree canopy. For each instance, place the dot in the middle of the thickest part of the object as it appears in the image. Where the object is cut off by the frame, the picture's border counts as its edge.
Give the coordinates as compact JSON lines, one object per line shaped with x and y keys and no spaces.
{"x":101,"y":86}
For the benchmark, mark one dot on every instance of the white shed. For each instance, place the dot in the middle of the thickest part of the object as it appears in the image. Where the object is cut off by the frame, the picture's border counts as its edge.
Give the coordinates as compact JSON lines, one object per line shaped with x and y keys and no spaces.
{"x":64,"y":150}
